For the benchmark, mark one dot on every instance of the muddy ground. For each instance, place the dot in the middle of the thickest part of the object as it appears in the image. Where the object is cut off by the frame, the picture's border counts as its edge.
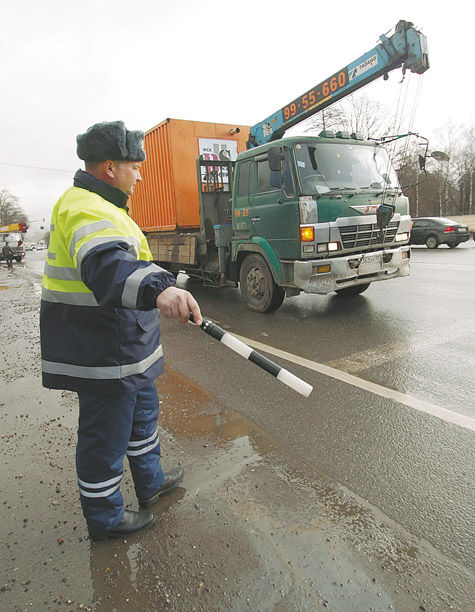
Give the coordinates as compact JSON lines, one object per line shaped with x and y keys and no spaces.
{"x":253,"y":527}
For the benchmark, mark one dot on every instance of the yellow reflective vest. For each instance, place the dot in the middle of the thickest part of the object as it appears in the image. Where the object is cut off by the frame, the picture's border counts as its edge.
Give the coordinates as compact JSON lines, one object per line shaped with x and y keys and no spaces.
{"x":99,"y":325}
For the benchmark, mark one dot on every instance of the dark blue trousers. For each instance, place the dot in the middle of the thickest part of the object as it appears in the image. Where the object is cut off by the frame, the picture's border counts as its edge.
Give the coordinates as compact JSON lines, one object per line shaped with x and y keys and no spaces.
{"x":110,"y":427}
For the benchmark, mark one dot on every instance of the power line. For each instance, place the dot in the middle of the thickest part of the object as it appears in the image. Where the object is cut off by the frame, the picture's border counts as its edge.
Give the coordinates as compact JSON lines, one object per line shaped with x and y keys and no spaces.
{"x":36,"y":167}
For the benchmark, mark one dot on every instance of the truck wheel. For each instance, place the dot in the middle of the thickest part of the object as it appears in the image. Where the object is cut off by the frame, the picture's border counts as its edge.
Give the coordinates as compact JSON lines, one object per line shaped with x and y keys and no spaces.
{"x":432,"y":242}
{"x":355,"y":290}
{"x":258,"y":289}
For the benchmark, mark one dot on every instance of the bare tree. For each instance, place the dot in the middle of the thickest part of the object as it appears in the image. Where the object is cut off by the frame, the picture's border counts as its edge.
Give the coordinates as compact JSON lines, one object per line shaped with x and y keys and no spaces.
{"x":406,"y":164}
{"x":10,"y":209}
{"x":355,"y":114}
{"x":447,"y":187}
{"x":464,"y":164}
{"x":367,"y":117}
{"x":332,"y":118}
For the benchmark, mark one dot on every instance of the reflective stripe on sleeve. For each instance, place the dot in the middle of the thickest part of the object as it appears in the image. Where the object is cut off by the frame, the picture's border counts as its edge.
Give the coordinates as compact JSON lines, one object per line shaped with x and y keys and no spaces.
{"x":102,"y":372}
{"x":90,"y":244}
{"x":61,"y":273}
{"x":133,"y":282}
{"x":88,"y":229}
{"x":66,"y":297}
{"x":51,"y":255}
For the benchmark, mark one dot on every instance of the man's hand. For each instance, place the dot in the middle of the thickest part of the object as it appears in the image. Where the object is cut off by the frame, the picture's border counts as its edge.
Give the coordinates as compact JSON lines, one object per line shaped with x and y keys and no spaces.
{"x":177,"y":303}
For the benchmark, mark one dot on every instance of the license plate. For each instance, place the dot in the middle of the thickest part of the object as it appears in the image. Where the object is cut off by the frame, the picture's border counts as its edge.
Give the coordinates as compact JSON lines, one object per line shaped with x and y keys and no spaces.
{"x":370,"y":259}
{"x":461,"y":229}
{"x":369,"y":264}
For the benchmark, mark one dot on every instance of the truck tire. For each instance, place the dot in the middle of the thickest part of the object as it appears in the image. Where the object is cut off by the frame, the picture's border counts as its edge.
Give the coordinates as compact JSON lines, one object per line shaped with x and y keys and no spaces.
{"x":258,"y":289}
{"x":355,"y":290}
{"x":432,"y":242}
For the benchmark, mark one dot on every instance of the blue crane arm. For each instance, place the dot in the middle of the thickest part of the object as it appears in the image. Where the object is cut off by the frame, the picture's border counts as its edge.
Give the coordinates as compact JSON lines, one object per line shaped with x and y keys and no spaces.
{"x":406,"y":47}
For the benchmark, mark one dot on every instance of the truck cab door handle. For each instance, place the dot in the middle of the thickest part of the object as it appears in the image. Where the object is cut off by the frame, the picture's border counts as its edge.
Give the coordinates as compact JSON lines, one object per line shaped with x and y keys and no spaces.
{"x":254,"y":219}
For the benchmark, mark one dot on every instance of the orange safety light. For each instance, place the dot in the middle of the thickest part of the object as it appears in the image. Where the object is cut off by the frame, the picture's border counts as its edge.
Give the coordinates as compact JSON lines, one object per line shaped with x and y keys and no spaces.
{"x":307,"y":234}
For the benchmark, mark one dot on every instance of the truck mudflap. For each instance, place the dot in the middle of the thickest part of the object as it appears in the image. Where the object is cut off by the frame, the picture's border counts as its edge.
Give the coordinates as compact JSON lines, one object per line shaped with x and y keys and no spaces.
{"x":313,"y":276}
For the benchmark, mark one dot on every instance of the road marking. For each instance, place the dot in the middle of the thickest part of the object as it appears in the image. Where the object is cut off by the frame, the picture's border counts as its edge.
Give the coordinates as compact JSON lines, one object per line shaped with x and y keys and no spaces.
{"x":432,"y":264}
{"x":356,"y":362}
{"x":448,"y":416}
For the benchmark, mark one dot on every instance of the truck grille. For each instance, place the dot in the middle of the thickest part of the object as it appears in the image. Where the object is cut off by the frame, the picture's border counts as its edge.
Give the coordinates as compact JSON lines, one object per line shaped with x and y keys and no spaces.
{"x":354,"y":236}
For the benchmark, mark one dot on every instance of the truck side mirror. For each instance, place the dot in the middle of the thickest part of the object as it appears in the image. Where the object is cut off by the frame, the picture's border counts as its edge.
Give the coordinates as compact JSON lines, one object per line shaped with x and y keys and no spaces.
{"x":275,"y":157}
{"x":440,"y":156}
{"x":384,"y":214}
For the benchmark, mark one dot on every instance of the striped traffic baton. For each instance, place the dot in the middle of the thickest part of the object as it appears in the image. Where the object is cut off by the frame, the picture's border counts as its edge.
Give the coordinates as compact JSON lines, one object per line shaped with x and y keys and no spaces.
{"x":289,"y":379}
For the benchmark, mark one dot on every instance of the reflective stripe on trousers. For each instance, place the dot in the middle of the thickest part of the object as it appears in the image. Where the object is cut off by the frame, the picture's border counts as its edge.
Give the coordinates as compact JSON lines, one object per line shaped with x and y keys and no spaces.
{"x":111,"y":426}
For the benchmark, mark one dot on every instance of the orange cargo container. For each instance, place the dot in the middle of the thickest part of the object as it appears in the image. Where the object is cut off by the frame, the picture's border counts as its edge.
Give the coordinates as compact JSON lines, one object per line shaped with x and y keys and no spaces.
{"x":167,"y":198}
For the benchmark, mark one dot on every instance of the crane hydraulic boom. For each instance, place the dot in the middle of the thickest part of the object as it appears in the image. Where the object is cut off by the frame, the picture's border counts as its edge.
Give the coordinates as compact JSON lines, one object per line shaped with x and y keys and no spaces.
{"x":407,"y":47}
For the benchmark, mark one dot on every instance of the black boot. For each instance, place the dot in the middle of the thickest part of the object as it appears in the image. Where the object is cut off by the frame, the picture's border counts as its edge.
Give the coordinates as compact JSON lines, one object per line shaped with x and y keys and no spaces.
{"x":172,"y":479}
{"x":130,"y":523}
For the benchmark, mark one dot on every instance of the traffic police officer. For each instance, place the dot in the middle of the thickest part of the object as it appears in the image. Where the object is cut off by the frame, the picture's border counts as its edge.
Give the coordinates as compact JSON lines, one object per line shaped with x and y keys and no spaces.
{"x":100,"y":331}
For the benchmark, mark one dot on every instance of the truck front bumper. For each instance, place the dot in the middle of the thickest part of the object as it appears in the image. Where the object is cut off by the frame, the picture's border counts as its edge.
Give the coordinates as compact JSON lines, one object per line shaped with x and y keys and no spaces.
{"x":350,"y":270}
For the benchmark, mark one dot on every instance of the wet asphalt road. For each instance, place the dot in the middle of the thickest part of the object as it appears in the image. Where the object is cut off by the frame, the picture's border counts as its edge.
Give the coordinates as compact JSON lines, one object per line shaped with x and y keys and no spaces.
{"x":347,"y":500}
{"x":414,"y":335}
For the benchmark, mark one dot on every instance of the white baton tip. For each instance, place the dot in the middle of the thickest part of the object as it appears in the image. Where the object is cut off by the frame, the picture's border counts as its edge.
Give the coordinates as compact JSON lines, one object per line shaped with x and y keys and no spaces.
{"x":296,"y":383}
{"x":236,"y":345}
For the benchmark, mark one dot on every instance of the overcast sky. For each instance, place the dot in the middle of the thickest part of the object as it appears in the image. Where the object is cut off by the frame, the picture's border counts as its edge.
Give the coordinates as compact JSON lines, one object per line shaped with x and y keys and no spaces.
{"x":65,"y":66}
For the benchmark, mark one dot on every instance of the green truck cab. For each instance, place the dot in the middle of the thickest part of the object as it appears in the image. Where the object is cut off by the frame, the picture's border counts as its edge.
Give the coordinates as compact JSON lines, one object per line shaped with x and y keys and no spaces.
{"x":308,"y":221}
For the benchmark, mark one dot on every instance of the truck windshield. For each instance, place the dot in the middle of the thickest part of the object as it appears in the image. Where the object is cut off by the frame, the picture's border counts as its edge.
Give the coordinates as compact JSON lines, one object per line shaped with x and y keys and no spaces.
{"x":325,"y":167}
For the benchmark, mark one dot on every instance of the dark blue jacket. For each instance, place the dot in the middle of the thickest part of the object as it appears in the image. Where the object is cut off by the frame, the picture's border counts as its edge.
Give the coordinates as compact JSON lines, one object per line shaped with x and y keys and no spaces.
{"x":100,"y":329}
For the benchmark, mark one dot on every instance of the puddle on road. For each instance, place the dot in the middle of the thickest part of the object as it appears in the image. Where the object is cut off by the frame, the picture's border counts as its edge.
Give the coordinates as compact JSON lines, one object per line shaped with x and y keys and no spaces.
{"x":244,"y":515}
{"x":287,"y":527}
{"x":189,"y":411}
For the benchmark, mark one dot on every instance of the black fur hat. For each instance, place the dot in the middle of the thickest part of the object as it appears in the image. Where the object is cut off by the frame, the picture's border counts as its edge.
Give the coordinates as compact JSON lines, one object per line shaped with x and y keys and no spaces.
{"x":110,"y":140}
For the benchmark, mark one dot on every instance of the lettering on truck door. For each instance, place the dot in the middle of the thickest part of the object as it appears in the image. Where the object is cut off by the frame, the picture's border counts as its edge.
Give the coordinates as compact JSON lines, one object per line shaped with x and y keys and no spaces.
{"x":241,"y":206}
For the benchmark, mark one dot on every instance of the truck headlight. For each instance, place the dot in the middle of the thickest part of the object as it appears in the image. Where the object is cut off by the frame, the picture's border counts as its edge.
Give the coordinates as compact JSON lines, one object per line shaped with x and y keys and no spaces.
{"x":402,"y":237}
{"x":325,"y":247}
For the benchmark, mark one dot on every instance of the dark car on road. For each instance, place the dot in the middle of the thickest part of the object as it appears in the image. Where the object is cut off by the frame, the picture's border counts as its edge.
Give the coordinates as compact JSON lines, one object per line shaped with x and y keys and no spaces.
{"x":433,"y":231}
